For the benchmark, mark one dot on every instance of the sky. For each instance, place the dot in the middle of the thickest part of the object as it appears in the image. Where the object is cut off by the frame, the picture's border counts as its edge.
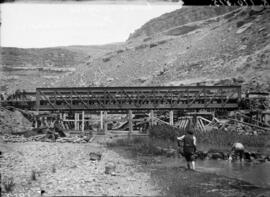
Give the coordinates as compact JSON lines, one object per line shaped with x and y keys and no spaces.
{"x":28,"y":25}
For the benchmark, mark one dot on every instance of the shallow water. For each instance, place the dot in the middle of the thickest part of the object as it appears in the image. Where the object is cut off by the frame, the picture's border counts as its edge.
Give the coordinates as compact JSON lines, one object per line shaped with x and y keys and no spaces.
{"x":255,"y":173}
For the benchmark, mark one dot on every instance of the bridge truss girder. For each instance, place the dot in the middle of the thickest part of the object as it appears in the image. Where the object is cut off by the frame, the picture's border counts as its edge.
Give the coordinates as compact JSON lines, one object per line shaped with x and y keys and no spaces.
{"x":138,"y":98}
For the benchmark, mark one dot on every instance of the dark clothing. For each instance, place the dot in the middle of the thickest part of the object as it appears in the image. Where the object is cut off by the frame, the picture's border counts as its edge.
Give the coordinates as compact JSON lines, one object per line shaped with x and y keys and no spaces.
{"x":189,"y":156}
{"x":239,"y":153}
{"x":189,"y":147}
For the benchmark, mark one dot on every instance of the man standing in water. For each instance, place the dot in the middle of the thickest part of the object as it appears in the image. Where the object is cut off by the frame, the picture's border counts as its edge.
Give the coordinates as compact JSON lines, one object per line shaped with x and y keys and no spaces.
{"x":238,"y":150}
{"x":189,"y":148}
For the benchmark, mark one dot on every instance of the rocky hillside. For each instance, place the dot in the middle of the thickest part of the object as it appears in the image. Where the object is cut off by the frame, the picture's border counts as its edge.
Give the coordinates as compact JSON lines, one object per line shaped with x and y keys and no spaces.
{"x":185,"y":15}
{"x":31,"y":68}
{"x":206,"y":45}
{"x":227,"y":49}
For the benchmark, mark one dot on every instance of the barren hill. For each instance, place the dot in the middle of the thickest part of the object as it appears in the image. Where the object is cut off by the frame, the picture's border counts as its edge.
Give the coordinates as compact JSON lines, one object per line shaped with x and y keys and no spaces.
{"x":222,"y":46}
{"x":227,"y":49}
{"x":31,"y":68}
{"x":179,"y":17}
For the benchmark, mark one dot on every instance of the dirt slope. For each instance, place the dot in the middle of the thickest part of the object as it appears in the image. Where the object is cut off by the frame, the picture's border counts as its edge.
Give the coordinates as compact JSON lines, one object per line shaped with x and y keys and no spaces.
{"x":31,"y":68}
{"x":13,"y":122}
{"x":186,"y":46}
{"x":229,"y":49}
{"x":66,"y":170}
{"x":179,"y":17}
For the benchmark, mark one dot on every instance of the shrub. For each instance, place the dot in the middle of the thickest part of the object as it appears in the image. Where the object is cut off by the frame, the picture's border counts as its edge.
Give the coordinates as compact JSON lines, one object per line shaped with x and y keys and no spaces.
{"x":33,"y":175}
{"x":213,"y":137}
{"x":182,"y":30}
{"x":153,"y":45}
{"x":227,"y":138}
{"x":143,"y":46}
{"x":8,"y":184}
{"x":120,"y":51}
{"x":106,"y":59}
{"x":141,"y":145}
{"x":162,"y":42}
{"x":240,"y":24}
{"x":53,"y":169}
{"x":164,"y":132}
{"x":147,"y":39}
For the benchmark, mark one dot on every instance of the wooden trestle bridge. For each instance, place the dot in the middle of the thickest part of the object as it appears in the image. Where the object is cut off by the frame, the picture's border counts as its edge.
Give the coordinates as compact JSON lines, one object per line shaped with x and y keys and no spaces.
{"x":129,"y":99}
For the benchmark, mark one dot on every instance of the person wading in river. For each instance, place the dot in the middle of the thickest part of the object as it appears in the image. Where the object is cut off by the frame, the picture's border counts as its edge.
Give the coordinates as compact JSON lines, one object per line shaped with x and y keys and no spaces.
{"x":237,"y":150}
{"x":189,"y":148}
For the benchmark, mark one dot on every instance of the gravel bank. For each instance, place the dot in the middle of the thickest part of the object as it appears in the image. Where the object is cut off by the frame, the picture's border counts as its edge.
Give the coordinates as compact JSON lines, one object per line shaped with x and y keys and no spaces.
{"x":66,"y":169}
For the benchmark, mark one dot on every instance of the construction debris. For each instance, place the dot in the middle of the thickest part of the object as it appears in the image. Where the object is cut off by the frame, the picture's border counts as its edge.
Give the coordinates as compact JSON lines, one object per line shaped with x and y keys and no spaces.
{"x":75,"y":139}
{"x":43,"y":138}
{"x":95,"y":156}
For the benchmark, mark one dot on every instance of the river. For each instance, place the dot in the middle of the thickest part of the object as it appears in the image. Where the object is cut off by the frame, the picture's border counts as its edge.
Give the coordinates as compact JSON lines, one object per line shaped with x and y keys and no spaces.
{"x":255,"y":173}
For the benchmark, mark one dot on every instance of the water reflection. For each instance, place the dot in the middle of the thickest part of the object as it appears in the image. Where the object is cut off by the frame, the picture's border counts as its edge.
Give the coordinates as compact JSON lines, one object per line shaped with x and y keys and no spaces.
{"x":255,"y":173}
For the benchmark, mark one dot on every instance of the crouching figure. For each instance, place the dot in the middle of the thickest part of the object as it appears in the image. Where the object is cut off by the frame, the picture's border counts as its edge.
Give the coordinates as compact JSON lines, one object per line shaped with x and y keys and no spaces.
{"x":237,"y":150}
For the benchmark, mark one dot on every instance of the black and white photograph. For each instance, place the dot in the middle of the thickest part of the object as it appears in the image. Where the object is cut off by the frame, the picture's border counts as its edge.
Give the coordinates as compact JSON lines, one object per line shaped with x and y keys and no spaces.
{"x":135,"y":98}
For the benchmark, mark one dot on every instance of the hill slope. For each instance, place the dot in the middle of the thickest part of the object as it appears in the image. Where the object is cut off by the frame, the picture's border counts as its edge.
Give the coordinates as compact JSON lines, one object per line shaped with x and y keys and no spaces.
{"x":230,"y":46}
{"x":179,"y":17}
{"x":229,"y":49}
{"x":31,"y":68}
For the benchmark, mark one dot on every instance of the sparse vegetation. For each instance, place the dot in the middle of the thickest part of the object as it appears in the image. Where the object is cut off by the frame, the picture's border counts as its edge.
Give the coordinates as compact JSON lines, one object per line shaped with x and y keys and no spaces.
{"x":106,"y":59}
{"x":142,"y":46}
{"x":213,"y":137}
{"x":161,"y":42}
{"x":227,"y":138}
{"x":33,"y":175}
{"x":139,"y":145}
{"x":240,"y":24}
{"x":147,"y":39}
{"x":164,"y":136}
{"x":153,"y":45}
{"x":8,"y":184}
{"x":53,"y":169}
{"x":120,"y":51}
{"x":164,"y":132}
{"x":179,"y":17}
{"x":182,"y":30}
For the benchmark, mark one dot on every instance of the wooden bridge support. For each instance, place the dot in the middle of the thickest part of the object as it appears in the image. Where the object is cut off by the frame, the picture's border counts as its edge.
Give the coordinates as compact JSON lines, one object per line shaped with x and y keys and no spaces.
{"x":105,"y":122}
{"x":151,"y":117}
{"x":171,"y":117}
{"x":83,"y":121}
{"x":77,"y":125}
{"x":130,"y":123}
{"x":101,"y":120}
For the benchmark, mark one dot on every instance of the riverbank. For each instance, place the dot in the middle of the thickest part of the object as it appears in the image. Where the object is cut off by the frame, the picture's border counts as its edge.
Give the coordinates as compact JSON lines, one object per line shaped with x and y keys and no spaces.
{"x":172,"y":177}
{"x":67,"y":169}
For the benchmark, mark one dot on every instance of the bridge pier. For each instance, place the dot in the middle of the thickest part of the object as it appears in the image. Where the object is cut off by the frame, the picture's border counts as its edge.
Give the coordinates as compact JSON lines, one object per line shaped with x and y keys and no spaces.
{"x":171,"y":117}
{"x":105,"y":122}
{"x":151,"y":117}
{"x":130,"y":123}
{"x":83,"y":121}
{"x":101,"y":120}
{"x":76,"y":123}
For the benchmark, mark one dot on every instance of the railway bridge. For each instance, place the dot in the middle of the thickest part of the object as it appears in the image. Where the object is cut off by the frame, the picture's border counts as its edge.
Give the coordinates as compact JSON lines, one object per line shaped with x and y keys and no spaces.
{"x":129,"y":100}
